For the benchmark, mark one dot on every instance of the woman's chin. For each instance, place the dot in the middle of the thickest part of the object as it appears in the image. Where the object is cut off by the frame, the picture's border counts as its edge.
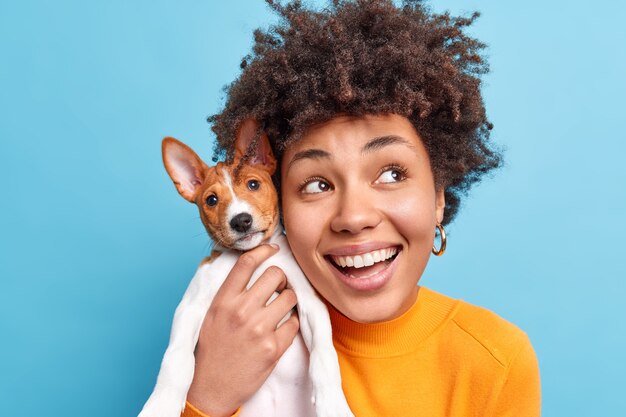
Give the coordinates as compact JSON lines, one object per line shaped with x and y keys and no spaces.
{"x":376,"y":309}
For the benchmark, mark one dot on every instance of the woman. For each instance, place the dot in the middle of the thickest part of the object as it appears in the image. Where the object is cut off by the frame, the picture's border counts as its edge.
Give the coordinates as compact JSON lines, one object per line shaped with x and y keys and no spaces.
{"x":375,"y":114}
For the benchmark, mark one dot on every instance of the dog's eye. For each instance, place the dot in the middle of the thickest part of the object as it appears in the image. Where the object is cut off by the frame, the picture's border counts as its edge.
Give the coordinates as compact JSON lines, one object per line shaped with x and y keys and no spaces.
{"x":253,"y":185}
{"x":211,"y":200}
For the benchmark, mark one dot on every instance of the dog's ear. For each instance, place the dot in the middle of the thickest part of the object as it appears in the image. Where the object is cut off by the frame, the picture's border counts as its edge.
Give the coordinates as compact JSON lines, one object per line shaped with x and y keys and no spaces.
{"x":185,"y":168}
{"x":262,"y":153}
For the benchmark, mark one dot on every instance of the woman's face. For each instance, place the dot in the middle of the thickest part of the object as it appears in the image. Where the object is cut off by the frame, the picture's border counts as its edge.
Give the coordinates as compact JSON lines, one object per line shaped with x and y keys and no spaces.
{"x":360,"y":210}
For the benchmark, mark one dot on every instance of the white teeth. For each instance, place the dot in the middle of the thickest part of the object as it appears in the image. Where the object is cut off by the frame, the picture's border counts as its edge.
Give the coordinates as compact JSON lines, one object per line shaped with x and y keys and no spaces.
{"x":365,"y":259}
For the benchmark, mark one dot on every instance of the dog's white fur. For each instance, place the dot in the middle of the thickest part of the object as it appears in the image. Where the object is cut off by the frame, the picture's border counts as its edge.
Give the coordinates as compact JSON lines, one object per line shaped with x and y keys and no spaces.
{"x":288,"y":390}
{"x":301,"y":385}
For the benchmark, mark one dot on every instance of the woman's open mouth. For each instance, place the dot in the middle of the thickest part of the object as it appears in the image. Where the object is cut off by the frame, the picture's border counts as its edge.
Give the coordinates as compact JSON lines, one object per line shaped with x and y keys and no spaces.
{"x":365,"y":271}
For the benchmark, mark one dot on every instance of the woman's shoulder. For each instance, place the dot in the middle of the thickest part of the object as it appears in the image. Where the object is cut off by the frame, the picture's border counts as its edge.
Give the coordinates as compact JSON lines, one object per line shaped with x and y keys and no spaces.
{"x":480,"y":346}
{"x":478,"y":327}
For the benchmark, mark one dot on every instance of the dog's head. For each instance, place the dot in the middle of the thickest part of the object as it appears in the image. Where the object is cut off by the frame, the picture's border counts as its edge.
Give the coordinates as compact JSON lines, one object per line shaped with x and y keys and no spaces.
{"x":238,"y":203}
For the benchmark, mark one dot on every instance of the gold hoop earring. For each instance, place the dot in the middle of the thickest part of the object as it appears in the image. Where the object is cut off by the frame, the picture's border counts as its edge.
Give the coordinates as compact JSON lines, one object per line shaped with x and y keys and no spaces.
{"x":442,"y":249}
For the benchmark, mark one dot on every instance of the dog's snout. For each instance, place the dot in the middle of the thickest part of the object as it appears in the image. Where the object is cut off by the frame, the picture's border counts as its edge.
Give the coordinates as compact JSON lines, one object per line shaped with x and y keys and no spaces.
{"x":241,"y":222}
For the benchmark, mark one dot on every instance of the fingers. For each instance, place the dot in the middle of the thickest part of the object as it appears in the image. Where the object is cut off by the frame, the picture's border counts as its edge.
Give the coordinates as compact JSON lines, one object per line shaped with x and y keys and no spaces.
{"x":271,"y":281}
{"x":248,"y":262}
{"x":280,"y":306}
{"x":286,"y":333}
{"x":250,"y":306}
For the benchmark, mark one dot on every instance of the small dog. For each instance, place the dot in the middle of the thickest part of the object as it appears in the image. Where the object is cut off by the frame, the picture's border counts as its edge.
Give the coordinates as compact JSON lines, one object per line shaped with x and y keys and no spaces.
{"x":239,"y":208}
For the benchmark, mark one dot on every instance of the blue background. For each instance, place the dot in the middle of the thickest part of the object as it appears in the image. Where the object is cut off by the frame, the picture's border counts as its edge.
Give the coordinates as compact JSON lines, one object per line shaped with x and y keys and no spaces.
{"x":96,"y":246}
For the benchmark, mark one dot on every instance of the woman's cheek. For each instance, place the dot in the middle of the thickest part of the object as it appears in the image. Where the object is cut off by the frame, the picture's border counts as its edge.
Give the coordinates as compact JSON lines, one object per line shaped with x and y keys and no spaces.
{"x":298,"y":226}
{"x":415,"y":209}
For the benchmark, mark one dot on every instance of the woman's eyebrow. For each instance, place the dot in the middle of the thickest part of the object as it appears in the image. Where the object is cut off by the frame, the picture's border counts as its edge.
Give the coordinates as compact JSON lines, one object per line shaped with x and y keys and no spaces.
{"x":309,"y":154}
{"x":371,"y":146}
{"x":383,"y":141}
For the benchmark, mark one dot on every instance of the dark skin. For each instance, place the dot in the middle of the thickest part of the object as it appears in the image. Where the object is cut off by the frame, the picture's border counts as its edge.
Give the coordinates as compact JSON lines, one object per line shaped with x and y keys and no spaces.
{"x":377,"y":59}
{"x":239,"y":343}
{"x":369,"y":57}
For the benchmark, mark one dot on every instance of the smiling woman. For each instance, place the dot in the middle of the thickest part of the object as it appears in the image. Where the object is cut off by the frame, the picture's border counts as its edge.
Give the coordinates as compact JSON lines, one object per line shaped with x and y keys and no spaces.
{"x":367,"y":186}
{"x":376,"y":117}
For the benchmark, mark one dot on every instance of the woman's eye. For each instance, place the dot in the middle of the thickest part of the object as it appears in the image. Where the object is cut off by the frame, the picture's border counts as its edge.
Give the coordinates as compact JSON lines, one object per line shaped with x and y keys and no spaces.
{"x":391,"y":175}
{"x":315,"y":186}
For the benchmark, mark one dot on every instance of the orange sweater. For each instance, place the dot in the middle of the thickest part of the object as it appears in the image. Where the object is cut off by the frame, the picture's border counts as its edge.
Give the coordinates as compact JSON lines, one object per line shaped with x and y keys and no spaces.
{"x":443,"y":357}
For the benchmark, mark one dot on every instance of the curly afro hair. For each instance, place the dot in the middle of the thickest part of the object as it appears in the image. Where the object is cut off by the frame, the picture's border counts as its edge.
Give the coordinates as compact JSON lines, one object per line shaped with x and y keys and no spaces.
{"x":360,"y":57}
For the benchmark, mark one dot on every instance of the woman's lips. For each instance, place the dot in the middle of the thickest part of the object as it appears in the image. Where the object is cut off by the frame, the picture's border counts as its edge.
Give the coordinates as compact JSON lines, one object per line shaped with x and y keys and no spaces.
{"x":366,"y":278}
{"x":364,"y":259}
{"x":360,"y":248}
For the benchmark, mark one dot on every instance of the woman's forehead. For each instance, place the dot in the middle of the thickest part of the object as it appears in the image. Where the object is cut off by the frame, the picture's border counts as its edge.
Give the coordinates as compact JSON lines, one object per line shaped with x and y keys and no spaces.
{"x":351,"y":141}
{"x":357,"y":131}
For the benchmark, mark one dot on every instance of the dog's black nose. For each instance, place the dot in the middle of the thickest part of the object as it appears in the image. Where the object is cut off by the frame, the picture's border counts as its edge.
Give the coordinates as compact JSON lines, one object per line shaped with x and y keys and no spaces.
{"x":241,"y":222}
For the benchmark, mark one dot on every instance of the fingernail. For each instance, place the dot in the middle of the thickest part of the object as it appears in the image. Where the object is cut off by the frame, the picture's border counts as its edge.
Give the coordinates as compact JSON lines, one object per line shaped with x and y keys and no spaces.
{"x":274,"y":245}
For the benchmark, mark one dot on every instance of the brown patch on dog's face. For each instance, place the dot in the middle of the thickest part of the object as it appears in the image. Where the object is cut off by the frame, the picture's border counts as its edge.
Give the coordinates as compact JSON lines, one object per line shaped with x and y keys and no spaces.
{"x":252,"y":188}
{"x":264,"y":199}
{"x":213,"y":200}
{"x":238,"y":203}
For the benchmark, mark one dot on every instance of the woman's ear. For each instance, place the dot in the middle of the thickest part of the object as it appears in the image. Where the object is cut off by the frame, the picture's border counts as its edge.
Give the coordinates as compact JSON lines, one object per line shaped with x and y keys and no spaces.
{"x":440,"y":204}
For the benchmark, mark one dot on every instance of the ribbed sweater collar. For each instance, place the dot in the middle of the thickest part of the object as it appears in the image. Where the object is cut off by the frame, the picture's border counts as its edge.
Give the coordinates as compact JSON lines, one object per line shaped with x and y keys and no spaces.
{"x":396,"y":337}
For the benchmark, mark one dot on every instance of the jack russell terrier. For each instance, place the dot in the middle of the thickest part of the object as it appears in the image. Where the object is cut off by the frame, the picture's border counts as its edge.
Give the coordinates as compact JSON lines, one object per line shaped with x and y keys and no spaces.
{"x":239,"y":208}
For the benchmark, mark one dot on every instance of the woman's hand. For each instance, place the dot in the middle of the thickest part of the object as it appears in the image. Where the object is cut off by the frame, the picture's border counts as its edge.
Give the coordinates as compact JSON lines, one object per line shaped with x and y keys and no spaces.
{"x":239,"y":343}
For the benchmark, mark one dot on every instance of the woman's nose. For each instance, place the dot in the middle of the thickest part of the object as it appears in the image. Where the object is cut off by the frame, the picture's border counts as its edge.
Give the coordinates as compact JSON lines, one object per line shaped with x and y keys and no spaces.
{"x":355,"y":211}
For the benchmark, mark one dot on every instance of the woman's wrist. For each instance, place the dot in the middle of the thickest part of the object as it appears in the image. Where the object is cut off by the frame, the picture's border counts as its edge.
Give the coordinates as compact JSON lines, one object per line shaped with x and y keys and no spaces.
{"x":207,"y":399}
{"x":208,"y":406}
